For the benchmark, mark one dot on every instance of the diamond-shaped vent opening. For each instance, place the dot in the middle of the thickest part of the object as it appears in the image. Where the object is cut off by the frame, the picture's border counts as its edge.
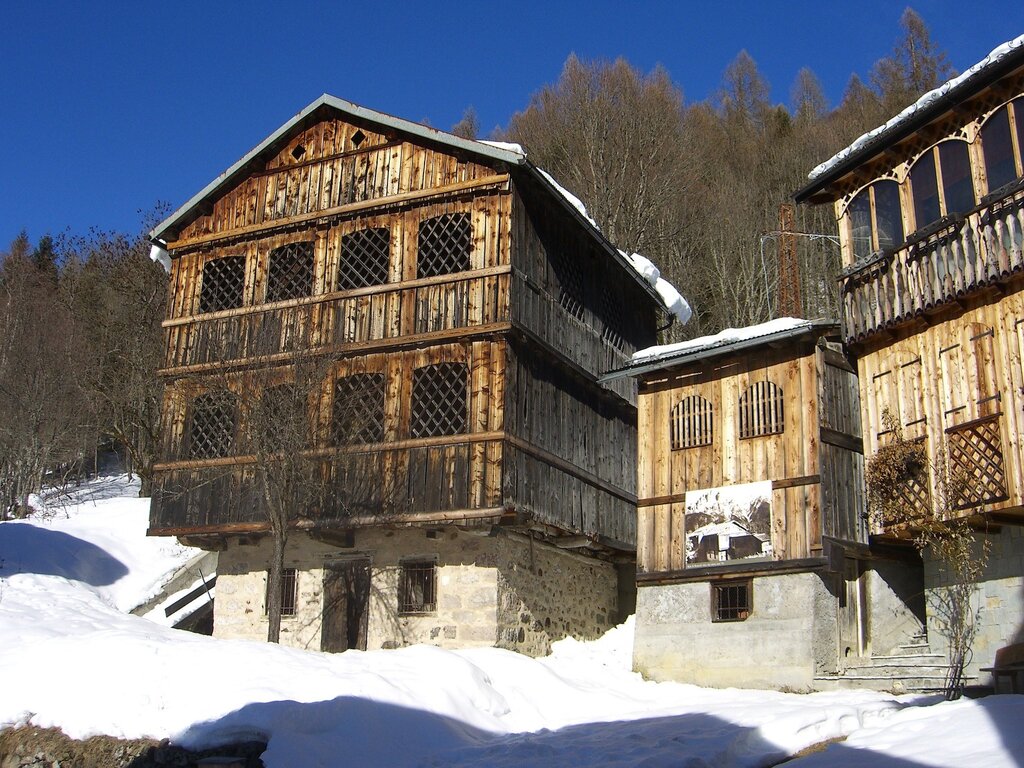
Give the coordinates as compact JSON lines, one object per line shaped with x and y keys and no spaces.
{"x":358,"y":413}
{"x":212,"y":434}
{"x":223,"y":284}
{"x":358,"y":138}
{"x":365,"y":257}
{"x":290,"y":274}
{"x":444,"y":243}
{"x":299,"y":152}
{"x":439,"y":400}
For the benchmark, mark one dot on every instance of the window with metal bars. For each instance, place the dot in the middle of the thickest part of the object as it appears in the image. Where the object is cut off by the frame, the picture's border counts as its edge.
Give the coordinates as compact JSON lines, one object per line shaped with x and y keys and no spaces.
{"x":223,"y":284}
{"x":290,"y":273}
{"x":357,"y":415}
{"x":365,"y":258}
{"x":289,"y":592}
{"x":439,"y":400}
{"x":731,"y":600}
{"x":443,"y":245}
{"x":692,"y":423}
{"x":761,"y":410}
{"x":212,"y":429}
{"x":417,"y":586}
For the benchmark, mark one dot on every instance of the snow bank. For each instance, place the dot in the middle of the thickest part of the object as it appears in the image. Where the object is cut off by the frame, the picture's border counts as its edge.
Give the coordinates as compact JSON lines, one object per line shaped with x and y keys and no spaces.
{"x":924,"y":102}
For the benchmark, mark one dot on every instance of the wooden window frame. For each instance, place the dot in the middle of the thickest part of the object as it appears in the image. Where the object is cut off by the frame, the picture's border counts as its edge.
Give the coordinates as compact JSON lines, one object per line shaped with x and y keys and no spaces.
{"x":936,"y":159}
{"x":417,"y":586}
{"x":732,"y":600}
{"x":692,"y":427}
{"x":870,"y":195}
{"x":761,"y":413}
{"x":289,"y":593}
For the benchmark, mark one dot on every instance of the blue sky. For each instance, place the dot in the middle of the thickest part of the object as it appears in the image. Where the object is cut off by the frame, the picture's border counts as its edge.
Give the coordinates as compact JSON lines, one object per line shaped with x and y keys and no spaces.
{"x":111,"y":107}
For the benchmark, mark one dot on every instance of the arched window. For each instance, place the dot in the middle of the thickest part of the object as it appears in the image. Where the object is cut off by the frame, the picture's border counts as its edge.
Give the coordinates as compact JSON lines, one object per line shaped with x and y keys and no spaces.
{"x":692,"y":423}
{"x":941,"y":183}
{"x":997,"y":144}
{"x":876,"y":219}
{"x":761,"y":411}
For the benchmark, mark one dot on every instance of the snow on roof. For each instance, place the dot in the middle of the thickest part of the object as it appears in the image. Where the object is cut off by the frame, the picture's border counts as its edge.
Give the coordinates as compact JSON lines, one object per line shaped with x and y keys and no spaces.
{"x":722,"y":339}
{"x":997,"y":54}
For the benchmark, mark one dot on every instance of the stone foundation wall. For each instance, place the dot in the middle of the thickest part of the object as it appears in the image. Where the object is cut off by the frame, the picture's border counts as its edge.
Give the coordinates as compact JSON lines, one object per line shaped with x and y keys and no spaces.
{"x":998,"y":601}
{"x":895,"y":604}
{"x":788,"y":637}
{"x":505,"y":590}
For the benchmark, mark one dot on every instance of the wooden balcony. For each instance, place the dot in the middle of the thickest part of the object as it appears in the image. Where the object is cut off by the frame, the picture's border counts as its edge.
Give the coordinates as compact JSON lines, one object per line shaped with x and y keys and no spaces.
{"x":361,"y":318}
{"x":936,"y":267}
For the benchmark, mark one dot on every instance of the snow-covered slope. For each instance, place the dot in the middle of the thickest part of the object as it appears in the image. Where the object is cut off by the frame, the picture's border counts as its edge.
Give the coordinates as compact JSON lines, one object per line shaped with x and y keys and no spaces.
{"x":70,"y":657}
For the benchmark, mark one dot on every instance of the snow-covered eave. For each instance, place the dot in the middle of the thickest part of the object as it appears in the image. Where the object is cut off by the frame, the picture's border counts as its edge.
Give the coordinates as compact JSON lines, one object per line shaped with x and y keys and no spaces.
{"x":493,"y":151}
{"x":729,"y":341}
{"x":931,"y":106}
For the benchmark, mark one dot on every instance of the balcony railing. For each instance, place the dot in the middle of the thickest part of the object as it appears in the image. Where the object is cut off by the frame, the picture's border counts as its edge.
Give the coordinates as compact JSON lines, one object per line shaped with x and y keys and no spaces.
{"x":361,"y":316}
{"x":936,"y":267}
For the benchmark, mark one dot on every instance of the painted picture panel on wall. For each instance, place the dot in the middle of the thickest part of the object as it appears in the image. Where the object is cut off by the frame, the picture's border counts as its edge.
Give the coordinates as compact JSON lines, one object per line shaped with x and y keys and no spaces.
{"x":732,"y":522}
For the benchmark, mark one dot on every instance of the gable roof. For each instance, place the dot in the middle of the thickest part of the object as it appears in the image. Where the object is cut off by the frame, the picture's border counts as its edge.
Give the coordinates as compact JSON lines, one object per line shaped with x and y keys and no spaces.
{"x":512,"y":155}
{"x":1000,"y":62}
{"x":725,"y":342}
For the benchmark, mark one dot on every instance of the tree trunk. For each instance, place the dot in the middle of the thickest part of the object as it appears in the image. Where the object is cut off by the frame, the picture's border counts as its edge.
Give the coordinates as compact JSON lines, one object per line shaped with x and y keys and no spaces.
{"x":280,"y":538}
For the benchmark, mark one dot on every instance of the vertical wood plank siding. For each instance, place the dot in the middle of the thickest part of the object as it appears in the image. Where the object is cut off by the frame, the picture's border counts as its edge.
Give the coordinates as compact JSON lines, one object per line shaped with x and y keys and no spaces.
{"x":803,"y":509}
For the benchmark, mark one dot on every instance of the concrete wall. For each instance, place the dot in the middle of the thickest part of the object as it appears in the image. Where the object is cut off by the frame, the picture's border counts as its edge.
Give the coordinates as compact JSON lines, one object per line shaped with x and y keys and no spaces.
{"x":998,"y":600}
{"x":789,"y":636}
{"x":896,"y":610}
{"x":504,"y":590}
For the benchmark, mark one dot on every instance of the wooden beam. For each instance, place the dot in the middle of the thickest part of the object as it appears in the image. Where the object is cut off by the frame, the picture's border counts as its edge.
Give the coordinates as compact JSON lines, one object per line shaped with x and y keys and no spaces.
{"x":842,"y":440}
{"x":720,"y":572}
{"x":568,"y":468}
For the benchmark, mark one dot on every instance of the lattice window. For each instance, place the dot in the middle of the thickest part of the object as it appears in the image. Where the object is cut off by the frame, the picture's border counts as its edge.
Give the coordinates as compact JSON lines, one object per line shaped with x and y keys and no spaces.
{"x":365,"y":258}
{"x":913,"y":492}
{"x":570,"y":282}
{"x":289,"y":592}
{"x":611,"y":312}
{"x":280,"y":422}
{"x":692,"y":423}
{"x":976,"y":462}
{"x":439,"y":400}
{"x":761,"y":411}
{"x":290,"y":274}
{"x":444,"y":243}
{"x":417,"y":586}
{"x":212,"y":432}
{"x":357,"y":416}
{"x":223,"y":285}
{"x":731,"y":600}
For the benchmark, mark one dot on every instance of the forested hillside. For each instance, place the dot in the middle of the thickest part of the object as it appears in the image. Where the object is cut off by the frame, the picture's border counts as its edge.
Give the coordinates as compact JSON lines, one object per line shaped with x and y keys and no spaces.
{"x":696,"y":187}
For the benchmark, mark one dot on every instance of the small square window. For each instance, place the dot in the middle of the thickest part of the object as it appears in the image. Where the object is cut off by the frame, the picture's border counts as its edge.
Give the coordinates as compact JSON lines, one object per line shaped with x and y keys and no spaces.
{"x":289,"y":592}
{"x":417,"y":586}
{"x":731,"y":600}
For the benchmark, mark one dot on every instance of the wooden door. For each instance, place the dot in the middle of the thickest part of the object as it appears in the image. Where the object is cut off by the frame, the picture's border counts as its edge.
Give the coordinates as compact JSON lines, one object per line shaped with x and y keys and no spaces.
{"x":346,"y":605}
{"x":853,"y":639}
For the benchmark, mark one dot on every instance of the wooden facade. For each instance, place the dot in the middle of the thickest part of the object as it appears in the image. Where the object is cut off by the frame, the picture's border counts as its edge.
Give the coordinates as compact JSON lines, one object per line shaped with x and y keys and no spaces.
{"x":779,"y":408}
{"x":473,"y":302}
{"x":931,"y":219}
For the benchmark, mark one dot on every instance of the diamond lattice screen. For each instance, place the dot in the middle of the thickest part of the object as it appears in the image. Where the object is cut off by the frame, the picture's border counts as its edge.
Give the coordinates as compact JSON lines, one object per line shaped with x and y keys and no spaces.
{"x":212,"y":434}
{"x":976,"y":462}
{"x":444,"y":243}
{"x":439,"y":400}
{"x":223,"y":284}
{"x":357,"y":416}
{"x":365,"y":258}
{"x":290,"y":274}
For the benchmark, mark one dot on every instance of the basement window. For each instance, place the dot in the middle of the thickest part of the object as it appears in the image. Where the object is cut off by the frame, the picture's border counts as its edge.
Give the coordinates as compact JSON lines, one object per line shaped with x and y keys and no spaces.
{"x":443,"y":245}
{"x":289,"y":592}
{"x":439,"y":400}
{"x":417,"y":586}
{"x":731,"y":600}
{"x":290,"y":274}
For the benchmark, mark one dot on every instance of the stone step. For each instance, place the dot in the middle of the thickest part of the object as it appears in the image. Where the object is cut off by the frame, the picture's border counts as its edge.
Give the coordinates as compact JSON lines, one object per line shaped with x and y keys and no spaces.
{"x":897,"y":670}
{"x":927,"y":683}
{"x":908,"y":659}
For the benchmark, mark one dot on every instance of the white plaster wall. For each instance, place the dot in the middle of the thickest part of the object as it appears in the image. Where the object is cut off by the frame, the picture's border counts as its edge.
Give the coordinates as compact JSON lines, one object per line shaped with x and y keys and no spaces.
{"x":790,"y":631}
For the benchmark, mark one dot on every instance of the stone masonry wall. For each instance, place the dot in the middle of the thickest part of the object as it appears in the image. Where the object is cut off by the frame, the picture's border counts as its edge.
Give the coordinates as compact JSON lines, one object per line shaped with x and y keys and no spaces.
{"x":501,"y":590}
{"x":999,"y":600}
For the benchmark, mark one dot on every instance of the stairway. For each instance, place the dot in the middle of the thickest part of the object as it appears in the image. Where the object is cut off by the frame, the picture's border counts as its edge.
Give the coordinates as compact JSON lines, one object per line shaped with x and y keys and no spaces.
{"x":911,"y":669}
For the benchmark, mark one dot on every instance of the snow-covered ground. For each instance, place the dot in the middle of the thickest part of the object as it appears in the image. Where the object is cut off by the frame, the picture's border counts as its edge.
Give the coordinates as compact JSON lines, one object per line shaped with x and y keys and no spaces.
{"x":70,"y":656}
